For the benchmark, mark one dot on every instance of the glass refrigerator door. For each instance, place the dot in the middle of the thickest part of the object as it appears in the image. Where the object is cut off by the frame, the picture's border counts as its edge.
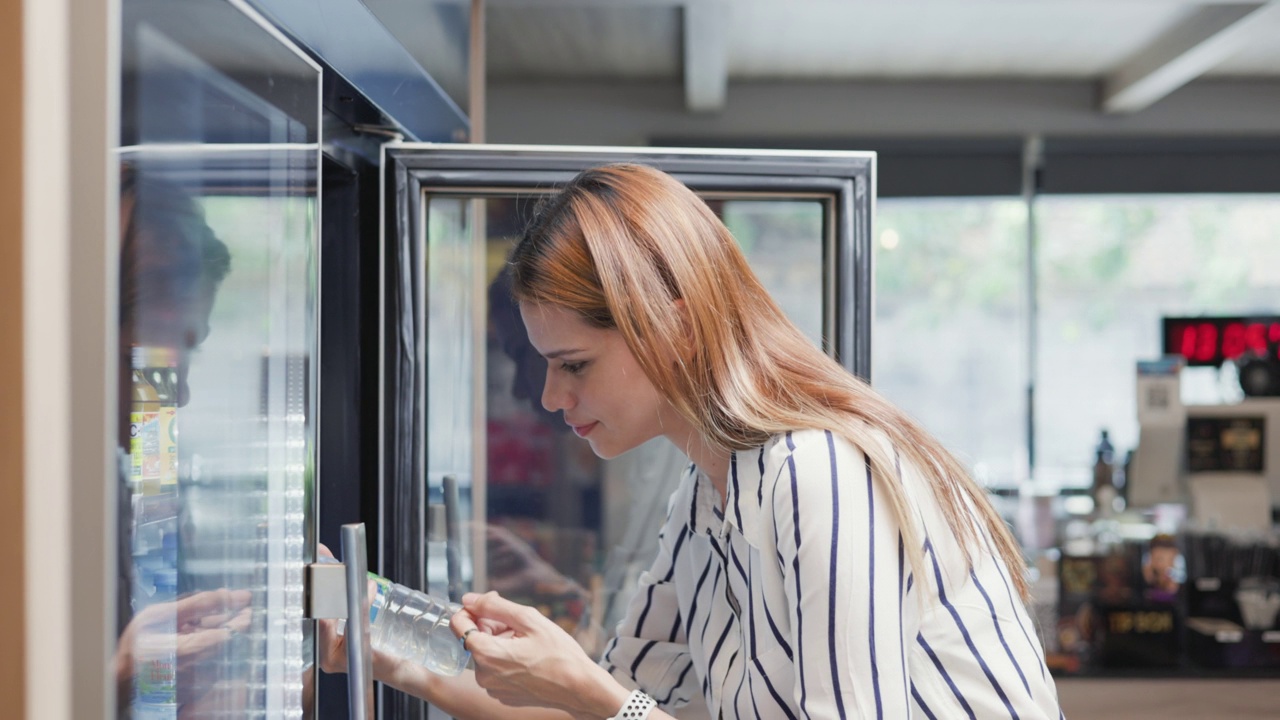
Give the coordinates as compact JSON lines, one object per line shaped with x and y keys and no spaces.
{"x":217,"y":412}
{"x":550,"y":524}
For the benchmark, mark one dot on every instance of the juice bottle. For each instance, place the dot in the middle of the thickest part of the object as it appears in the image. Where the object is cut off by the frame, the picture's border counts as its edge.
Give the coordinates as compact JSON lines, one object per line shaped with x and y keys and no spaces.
{"x":161,"y":373}
{"x":144,"y":429}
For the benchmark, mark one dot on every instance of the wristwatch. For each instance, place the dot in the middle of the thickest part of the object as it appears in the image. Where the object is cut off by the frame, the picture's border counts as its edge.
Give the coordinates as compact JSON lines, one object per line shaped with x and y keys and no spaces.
{"x":636,"y":707}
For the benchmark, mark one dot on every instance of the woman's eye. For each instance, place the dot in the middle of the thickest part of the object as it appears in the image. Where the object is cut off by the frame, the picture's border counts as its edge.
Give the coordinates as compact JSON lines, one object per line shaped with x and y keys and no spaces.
{"x":573,"y":368}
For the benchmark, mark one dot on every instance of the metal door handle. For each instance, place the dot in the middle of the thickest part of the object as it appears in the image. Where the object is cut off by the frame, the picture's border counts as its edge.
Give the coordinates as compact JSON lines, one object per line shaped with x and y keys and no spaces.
{"x":359,"y":656}
{"x":453,"y":538}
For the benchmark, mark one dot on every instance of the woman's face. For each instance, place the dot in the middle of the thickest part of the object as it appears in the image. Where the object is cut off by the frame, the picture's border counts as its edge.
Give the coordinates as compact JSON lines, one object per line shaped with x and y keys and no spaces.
{"x":595,"y":380}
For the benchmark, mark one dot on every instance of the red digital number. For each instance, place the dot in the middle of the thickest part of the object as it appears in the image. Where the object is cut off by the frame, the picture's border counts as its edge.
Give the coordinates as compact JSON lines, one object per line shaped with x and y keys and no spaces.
{"x":1255,"y":337}
{"x":1212,"y":342}
{"x":1187,"y":341}
{"x":1233,"y":342}
{"x":1207,"y":343}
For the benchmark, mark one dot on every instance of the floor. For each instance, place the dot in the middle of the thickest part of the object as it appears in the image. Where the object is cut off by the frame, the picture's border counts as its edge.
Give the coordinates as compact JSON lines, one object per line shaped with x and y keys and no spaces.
{"x":1097,"y":699}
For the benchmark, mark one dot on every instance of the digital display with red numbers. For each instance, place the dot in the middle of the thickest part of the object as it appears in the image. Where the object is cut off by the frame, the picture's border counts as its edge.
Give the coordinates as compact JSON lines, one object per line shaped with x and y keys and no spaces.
{"x":1214,"y":340}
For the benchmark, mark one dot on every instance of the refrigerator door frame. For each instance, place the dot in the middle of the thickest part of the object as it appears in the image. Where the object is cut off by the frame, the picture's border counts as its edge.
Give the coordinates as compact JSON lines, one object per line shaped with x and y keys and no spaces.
{"x":843,"y":180}
{"x":848,"y":176}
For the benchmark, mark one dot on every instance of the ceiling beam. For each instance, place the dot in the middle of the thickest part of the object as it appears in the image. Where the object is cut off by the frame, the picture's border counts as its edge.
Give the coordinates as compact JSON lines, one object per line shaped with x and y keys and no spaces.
{"x":706,"y":55}
{"x":1207,"y":37}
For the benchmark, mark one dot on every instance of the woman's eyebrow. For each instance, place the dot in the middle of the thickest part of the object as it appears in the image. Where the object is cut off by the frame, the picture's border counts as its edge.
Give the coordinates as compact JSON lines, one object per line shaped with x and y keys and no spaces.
{"x":561,"y":353}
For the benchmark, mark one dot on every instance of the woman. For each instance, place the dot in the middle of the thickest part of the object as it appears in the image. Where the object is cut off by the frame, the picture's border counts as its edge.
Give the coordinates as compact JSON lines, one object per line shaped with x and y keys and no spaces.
{"x":822,"y":557}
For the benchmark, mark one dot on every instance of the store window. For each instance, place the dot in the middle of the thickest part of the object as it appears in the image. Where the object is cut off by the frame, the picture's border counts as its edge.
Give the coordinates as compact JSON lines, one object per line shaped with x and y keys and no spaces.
{"x":949,"y":339}
{"x":1109,"y":267}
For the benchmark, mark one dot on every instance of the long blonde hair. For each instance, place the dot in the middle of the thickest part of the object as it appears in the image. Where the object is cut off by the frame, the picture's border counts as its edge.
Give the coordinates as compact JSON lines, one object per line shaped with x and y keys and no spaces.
{"x":620,"y":244}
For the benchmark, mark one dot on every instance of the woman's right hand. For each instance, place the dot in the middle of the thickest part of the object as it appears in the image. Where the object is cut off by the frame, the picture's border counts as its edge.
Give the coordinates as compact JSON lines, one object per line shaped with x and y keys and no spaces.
{"x":523,"y":659}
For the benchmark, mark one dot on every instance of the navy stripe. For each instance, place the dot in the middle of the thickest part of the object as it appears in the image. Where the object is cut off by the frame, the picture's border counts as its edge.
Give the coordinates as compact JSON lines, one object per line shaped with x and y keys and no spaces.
{"x":697,"y":593}
{"x":1000,"y":633}
{"x":760,"y":489}
{"x":635,"y":666}
{"x":679,"y":682}
{"x":920,"y":701}
{"x":648,"y":603}
{"x":795,"y":565}
{"x":608,"y":650}
{"x":719,"y":550}
{"x":737,"y":697}
{"x":964,"y":631}
{"x":733,"y":467}
{"x":902,"y":620}
{"x":871,"y":572}
{"x":675,"y":629}
{"x":751,"y":609}
{"x":776,"y":550}
{"x":1036,"y":647}
{"x":742,"y":573}
{"x":675,"y":553}
{"x":693,"y":507}
{"x":719,"y":644}
{"x":769,"y":686}
{"x":777,"y":635}
{"x":938,"y":664}
{"x":714,"y":584}
{"x":751,"y":691}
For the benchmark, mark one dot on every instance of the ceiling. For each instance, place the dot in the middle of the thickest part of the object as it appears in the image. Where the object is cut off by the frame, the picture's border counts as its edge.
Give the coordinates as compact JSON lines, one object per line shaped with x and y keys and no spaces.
{"x":1138,"y":50}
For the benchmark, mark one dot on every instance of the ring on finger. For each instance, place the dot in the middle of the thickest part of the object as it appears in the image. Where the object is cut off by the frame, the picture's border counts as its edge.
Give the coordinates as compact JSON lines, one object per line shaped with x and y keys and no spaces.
{"x":464,"y":637}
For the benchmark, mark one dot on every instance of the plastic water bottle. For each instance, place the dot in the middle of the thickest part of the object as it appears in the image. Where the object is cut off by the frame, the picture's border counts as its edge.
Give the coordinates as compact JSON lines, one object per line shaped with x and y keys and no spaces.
{"x":413,"y":625}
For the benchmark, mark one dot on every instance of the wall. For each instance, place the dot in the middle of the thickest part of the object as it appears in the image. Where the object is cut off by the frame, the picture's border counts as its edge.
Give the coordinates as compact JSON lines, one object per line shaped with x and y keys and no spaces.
{"x":12,"y":612}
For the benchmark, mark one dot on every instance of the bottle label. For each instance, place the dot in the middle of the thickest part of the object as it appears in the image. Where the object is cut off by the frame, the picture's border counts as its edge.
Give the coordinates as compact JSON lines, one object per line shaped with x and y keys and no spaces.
{"x":167,"y":450}
{"x":157,"y":679}
{"x":144,"y":446}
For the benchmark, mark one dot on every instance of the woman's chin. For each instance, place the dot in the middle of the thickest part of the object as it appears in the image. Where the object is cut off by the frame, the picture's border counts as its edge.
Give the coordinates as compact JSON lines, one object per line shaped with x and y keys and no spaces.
{"x":604,"y":450}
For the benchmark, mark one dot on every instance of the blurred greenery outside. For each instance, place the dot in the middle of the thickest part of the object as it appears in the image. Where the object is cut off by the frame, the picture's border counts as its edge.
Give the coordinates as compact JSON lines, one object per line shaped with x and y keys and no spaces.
{"x":950,"y":343}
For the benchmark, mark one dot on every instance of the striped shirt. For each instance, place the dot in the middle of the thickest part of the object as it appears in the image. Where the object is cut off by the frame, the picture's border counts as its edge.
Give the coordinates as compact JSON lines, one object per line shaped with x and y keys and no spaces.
{"x":797,"y":601}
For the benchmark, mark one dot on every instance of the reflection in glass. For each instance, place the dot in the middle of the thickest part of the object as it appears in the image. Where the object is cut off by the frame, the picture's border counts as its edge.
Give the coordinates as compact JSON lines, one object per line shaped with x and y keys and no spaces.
{"x":217,"y":356}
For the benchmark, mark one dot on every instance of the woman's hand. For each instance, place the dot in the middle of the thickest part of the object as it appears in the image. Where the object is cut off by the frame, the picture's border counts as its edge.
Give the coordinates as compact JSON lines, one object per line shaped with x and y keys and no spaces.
{"x":523,"y":659}
{"x":196,"y":627}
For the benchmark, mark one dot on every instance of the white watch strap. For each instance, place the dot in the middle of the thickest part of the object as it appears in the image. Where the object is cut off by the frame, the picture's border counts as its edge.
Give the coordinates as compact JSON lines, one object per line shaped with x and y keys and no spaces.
{"x":636,"y":707}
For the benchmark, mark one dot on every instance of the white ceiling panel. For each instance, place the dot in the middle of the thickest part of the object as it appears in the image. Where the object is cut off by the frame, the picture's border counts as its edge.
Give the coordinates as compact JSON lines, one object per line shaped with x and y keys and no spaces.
{"x":936,"y":39}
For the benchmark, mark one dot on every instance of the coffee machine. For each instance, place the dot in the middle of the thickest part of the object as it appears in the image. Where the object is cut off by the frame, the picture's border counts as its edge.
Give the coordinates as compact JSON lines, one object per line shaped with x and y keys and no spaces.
{"x":1221,"y":460}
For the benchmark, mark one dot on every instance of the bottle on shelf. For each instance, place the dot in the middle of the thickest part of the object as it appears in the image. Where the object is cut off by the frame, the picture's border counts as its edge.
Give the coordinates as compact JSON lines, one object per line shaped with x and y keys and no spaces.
{"x":155,"y":690}
{"x":1103,"y":489}
{"x":411,"y":624}
{"x":145,"y":457}
{"x":159,"y":367}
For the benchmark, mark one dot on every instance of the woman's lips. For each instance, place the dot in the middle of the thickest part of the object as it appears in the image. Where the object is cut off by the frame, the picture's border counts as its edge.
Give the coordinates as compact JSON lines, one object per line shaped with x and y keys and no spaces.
{"x":584,"y":430}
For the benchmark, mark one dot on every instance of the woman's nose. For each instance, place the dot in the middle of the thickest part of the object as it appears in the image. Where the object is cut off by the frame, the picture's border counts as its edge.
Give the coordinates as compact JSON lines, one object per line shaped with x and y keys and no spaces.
{"x":554,"y":396}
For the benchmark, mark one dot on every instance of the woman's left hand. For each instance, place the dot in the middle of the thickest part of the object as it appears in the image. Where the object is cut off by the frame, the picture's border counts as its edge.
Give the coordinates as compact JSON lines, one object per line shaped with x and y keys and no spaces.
{"x":524,"y":659}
